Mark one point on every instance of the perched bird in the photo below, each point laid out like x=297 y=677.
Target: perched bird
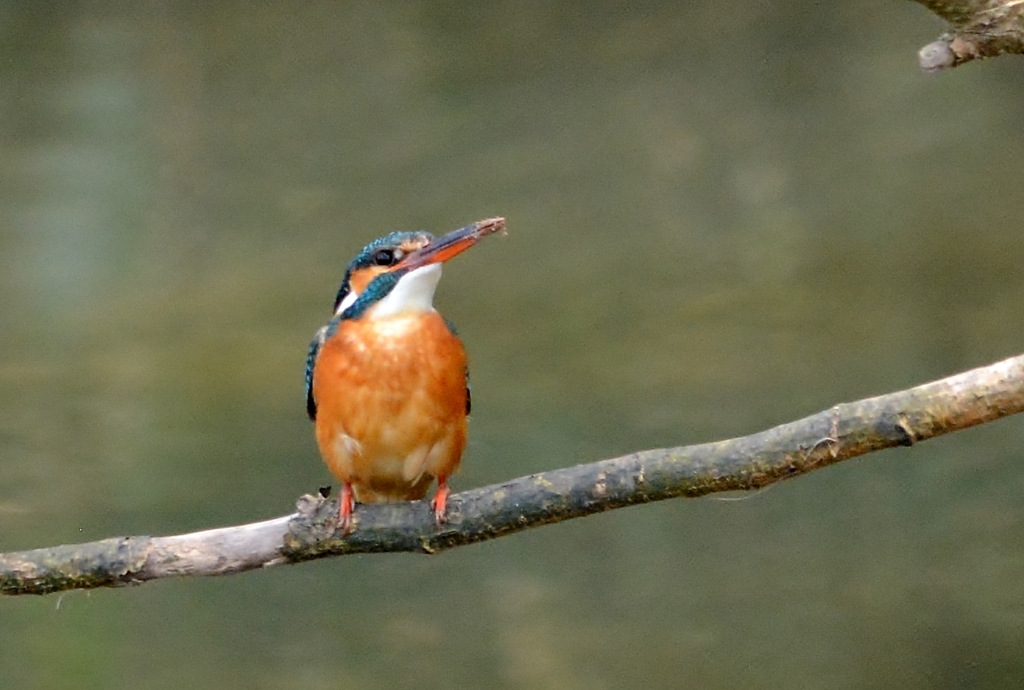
x=386 y=378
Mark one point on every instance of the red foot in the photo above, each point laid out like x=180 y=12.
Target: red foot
x=440 y=501
x=346 y=504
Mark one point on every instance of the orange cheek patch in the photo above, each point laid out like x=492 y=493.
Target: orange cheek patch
x=362 y=278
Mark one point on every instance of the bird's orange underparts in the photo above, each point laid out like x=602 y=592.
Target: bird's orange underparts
x=387 y=379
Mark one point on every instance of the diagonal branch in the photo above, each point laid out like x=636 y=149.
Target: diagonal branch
x=749 y=462
x=978 y=29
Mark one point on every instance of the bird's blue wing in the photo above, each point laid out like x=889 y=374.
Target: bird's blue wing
x=314 y=350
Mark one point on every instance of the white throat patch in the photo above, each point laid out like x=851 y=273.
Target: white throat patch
x=413 y=293
x=344 y=304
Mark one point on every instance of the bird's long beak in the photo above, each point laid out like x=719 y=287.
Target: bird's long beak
x=451 y=245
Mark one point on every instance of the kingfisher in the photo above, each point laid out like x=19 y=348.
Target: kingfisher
x=387 y=382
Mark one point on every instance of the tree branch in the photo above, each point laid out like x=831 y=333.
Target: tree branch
x=750 y=462
x=978 y=29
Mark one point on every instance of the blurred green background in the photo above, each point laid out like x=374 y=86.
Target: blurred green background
x=722 y=216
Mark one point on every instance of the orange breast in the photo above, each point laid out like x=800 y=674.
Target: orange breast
x=391 y=405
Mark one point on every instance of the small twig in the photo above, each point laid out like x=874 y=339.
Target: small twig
x=749 y=462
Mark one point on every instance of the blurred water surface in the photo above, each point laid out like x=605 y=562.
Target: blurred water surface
x=722 y=216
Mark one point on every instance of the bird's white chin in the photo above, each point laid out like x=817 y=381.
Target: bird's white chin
x=414 y=293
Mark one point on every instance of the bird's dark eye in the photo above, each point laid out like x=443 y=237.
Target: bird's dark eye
x=386 y=257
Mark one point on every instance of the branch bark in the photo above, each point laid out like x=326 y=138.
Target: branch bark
x=750 y=462
x=978 y=29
